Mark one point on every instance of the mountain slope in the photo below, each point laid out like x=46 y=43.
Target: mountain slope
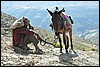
x=92 y=35
x=87 y=54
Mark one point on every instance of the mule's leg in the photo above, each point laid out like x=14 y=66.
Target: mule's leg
x=60 y=44
x=70 y=34
x=64 y=40
x=67 y=44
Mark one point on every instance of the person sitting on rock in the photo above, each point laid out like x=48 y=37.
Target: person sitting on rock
x=23 y=34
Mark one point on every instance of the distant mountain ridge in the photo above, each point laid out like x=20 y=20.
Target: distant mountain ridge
x=92 y=35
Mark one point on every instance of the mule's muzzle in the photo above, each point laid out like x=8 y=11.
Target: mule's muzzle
x=57 y=33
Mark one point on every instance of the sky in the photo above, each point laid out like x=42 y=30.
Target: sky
x=48 y=4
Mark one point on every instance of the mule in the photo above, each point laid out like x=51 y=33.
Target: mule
x=59 y=28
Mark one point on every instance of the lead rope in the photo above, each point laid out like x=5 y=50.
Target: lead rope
x=45 y=41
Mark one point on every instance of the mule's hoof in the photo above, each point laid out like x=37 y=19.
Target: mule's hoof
x=60 y=51
x=71 y=48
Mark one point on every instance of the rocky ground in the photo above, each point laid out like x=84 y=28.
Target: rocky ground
x=50 y=57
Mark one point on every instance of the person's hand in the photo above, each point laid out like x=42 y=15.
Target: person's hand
x=31 y=29
x=38 y=37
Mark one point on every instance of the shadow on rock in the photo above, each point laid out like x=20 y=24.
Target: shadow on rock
x=67 y=58
x=24 y=52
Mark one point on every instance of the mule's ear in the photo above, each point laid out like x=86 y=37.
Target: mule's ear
x=61 y=11
x=50 y=12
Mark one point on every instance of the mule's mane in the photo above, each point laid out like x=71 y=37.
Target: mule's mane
x=56 y=13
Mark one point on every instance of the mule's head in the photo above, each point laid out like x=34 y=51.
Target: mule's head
x=56 y=20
